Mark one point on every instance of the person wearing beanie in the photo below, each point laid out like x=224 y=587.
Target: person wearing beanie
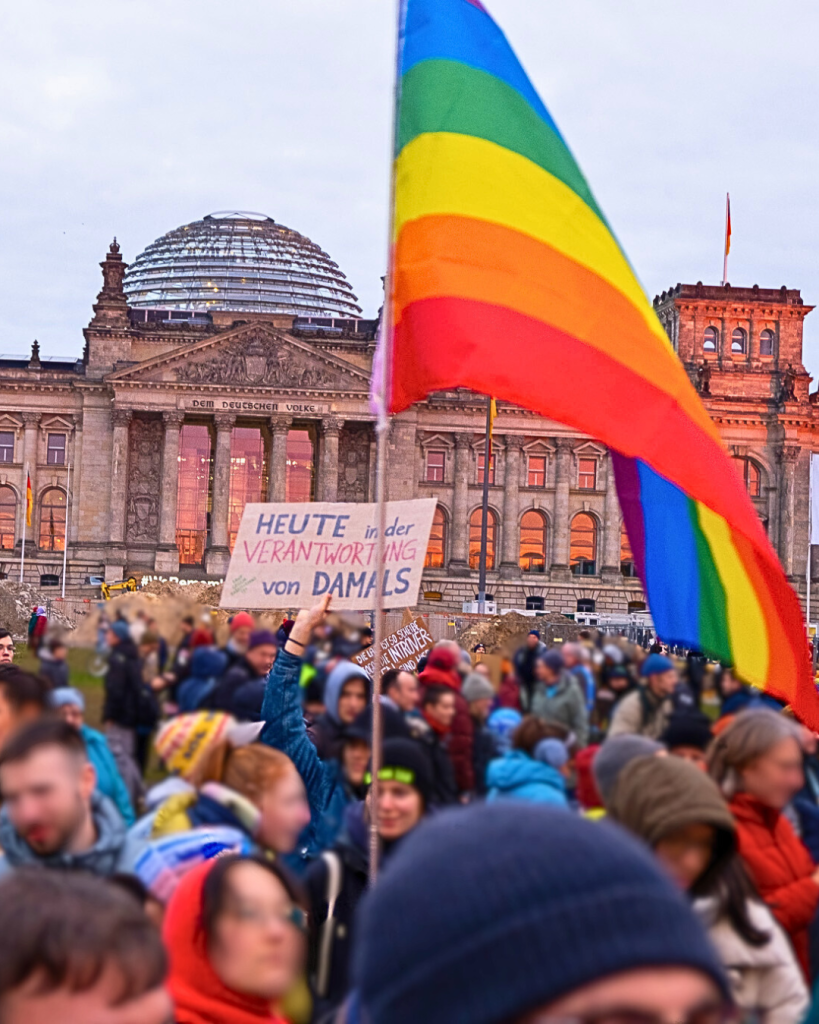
x=688 y=735
x=70 y=705
x=590 y=924
x=442 y=669
x=433 y=731
x=679 y=812
x=406 y=791
x=208 y=665
x=480 y=694
x=524 y=665
x=533 y=770
x=241 y=626
x=614 y=755
x=646 y=711
x=558 y=697
x=501 y=725
x=240 y=690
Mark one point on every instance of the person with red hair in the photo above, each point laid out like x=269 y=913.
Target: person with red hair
x=441 y=670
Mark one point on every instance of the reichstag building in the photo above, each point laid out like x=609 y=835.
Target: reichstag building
x=230 y=363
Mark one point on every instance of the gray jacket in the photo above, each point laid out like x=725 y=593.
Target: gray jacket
x=563 y=703
x=114 y=851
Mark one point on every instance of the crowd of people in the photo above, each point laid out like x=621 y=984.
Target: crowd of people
x=587 y=836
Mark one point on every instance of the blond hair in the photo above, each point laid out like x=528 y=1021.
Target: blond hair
x=750 y=736
x=249 y=770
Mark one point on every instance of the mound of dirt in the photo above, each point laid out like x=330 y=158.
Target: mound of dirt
x=193 y=591
x=505 y=633
x=16 y=603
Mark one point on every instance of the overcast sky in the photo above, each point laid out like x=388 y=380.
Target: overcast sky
x=131 y=117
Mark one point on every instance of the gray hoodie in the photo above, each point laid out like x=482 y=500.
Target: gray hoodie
x=114 y=851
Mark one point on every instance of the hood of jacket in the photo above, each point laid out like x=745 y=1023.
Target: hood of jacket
x=101 y=859
x=207 y=662
x=341 y=674
x=654 y=796
x=516 y=769
x=441 y=669
x=199 y=995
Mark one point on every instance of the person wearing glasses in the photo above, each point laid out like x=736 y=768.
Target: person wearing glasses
x=235 y=932
x=513 y=913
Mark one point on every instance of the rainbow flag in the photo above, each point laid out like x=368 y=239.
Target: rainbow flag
x=507 y=279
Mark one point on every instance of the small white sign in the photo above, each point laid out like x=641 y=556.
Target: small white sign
x=290 y=555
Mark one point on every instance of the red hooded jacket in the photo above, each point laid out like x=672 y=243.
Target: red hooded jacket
x=199 y=996
x=440 y=671
x=781 y=868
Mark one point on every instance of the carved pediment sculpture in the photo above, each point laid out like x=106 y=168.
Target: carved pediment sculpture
x=263 y=360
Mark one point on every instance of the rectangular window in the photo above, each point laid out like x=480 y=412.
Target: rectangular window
x=587 y=474
x=6 y=446
x=56 y=450
x=537 y=471
x=436 y=462
x=491 y=467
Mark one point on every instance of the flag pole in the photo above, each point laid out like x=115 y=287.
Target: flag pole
x=25 y=518
x=487 y=464
x=65 y=538
x=727 y=239
x=382 y=429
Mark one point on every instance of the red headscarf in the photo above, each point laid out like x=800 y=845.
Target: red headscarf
x=199 y=995
x=440 y=670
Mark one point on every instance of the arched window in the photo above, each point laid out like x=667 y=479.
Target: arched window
x=52 y=520
x=475 y=521
x=8 y=518
x=738 y=339
x=766 y=343
x=710 y=340
x=627 y=566
x=751 y=475
x=583 y=545
x=533 y=542
x=436 y=549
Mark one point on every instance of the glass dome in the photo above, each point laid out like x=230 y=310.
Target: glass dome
x=239 y=261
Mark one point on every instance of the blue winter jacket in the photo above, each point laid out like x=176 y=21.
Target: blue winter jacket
x=520 y=777
x=285 y=730
x=109 y=780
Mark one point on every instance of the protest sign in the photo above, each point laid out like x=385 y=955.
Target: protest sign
x=290 y=555
x=400 y=649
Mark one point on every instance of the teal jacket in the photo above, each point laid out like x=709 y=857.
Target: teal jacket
x=109 y=780
x=521 y=777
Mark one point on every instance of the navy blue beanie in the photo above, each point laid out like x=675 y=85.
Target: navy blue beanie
x=553 y=902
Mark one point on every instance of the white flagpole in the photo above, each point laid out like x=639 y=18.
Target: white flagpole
x=25 y=517
x=382 y=433
x=65 y=539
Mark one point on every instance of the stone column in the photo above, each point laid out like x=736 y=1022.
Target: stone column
x=787 y=461
x=611 y=513
x=328 y=480
x=31 y=427
x=511 y=507
x=167 y=552
x=115 y=559
x=560 y=548
x=277 y=464
x=217 y=555
x=460 y=506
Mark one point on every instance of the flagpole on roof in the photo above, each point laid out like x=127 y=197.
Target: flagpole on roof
x=380 y=405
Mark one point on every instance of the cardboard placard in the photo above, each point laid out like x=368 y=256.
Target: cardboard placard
x=400 y=649
x=289 y=555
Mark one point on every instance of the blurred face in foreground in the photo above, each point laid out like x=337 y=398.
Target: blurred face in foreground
x=71 y=713
x=257 y=947
x=686 y=852
x=11 y=718
x=284 y=813
x=100 y=1004
x=352 y=701
x=47 y=797
x=667 y=995
x=776 y=777
x=400 y=808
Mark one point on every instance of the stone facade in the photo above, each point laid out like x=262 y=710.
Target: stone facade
x=121 y=410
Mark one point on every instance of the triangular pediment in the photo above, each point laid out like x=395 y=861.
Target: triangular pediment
x=251 y=356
